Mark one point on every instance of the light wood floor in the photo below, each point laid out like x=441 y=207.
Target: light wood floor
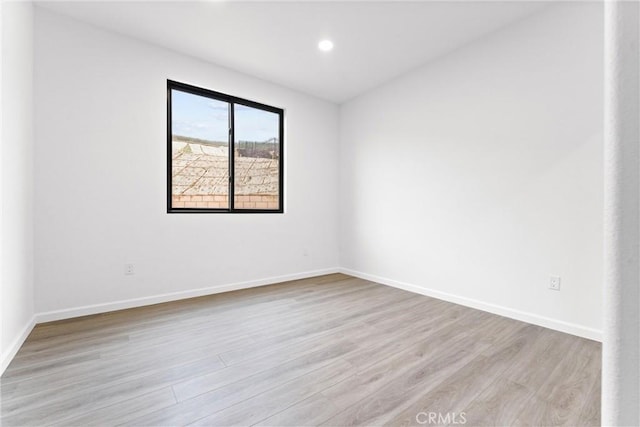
x=332 y=351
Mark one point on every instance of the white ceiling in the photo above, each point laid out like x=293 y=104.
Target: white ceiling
x=277 y=41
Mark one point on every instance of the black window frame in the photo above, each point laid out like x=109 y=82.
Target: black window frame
x=232 y=100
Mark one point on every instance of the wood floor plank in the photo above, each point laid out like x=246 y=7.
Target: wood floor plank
x=373 y=408
x=590 y=414
x=330 y=350
x=580 y=373
x=62 y=406
x=125 y=411
x=541 y=361
x=264 y=405
x=233 y=392
x=500 y=404
x=279 y=340
x=456 y=393
x=539 y=412
x=310 y=412
x=111 y=369
x=31 y=370
x=283 y=364
x=367 y=382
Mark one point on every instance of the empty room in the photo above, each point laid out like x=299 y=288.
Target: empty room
x=305 y=213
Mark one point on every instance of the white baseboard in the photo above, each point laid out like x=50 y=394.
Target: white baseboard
x=15 y=345
x=69 y=313
x=558 y=325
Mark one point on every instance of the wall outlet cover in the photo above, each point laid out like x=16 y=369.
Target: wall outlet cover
x=129 y=270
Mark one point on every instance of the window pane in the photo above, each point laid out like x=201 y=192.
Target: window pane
x=257 y=158
x=200 y=151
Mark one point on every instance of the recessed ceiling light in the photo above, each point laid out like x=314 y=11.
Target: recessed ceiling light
x=325 y=45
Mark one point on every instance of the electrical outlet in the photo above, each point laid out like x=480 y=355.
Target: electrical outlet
x=305 y=252
x=554 y=283
x=129 y=270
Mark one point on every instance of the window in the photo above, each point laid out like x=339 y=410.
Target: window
x=224 y=154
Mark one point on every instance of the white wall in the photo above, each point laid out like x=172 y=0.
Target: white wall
x=621 y=296
x=101 y=177
x=478 y=176
x=473 y=178
x=16 y=189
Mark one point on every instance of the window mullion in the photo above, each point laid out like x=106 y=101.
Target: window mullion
x=232 y=153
